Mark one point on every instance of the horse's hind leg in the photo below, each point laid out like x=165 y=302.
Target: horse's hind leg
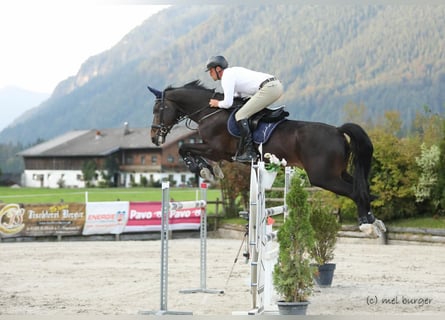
x=343 y=186
x=337 y=184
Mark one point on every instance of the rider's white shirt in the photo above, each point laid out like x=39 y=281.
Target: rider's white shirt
x=240 y=82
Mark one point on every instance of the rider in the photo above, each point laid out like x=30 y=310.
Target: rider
x=262 y=88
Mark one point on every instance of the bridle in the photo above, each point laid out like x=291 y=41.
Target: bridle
x=163 y=129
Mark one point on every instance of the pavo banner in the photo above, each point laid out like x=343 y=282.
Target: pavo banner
x=146 y=216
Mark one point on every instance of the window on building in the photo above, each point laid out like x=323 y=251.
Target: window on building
x=143 y=159
x=129 y=160
x=154 y=159
x=171 y=159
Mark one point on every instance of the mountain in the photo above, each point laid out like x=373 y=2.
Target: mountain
x=380 y=56
x=15 y=101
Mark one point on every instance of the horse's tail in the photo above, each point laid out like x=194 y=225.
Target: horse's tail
x=361 y=155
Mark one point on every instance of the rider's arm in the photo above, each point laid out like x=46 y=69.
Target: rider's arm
x=228 y=86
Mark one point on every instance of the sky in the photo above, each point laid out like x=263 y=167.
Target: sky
x=44 y=42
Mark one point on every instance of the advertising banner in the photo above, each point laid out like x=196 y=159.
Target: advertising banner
x=105 y=217
x=91 y=218
x=35 y=220
x=146 y=216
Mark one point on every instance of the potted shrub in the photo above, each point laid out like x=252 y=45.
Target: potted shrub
x=326 y=227
x=293 y=273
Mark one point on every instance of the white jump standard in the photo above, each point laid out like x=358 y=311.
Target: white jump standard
x=263 y=253
x=203 y=250
x=167 y=206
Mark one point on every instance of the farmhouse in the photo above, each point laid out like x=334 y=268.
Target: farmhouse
x=119 y=156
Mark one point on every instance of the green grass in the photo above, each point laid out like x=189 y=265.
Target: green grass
x=419 y=222
x=236 y=221
x=44 y=195
x=423 y=222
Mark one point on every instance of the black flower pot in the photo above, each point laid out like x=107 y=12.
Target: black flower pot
x=325 y=275
x=292 y=308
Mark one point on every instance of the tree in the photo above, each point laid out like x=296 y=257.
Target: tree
x=427 y=162
x=89 y=168
x=235 y=186
x=394 y=170
x=438 y=193
x=111 y=167
x=292 y=275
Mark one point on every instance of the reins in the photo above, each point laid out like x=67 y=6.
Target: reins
x=189 y=116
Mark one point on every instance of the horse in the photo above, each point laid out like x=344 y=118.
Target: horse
x=324 y=151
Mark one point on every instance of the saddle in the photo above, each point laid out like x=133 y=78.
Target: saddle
x=268 y=116
x=262 y=123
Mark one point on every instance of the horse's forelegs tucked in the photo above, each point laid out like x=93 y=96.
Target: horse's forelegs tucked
x=196 y=159
x=201 y=166
x=190 y=162
x=205 y=169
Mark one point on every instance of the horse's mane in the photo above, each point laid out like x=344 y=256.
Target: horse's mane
x=196 y=84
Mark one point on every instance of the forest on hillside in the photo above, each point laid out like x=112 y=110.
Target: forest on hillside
x=381 y=57
x=384 y=57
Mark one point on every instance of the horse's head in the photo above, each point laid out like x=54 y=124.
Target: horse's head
x=165 y=116
x=174 y=104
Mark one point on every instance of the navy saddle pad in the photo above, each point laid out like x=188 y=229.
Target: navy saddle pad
x=261 y=133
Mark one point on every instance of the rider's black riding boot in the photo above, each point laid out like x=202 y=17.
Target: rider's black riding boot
x=249 y=153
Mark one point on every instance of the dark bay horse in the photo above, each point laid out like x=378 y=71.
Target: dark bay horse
x=324 y=151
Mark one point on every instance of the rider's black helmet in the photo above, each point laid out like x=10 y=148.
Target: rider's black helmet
x=216 y=61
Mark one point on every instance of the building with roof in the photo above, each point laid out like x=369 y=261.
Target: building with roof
x=119 y=156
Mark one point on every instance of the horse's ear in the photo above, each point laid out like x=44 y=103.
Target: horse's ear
x=157 y=93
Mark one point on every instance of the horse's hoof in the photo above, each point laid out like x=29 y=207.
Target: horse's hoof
x=218 y=172
x=206 y=174
x=370 y=230
x=380 y=225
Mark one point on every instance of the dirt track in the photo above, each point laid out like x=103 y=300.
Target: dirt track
x=122 y=278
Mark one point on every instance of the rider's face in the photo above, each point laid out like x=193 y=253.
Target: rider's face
x=213 y=74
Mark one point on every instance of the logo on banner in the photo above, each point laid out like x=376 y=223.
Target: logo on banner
x=120 y=216
x=11 y=219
